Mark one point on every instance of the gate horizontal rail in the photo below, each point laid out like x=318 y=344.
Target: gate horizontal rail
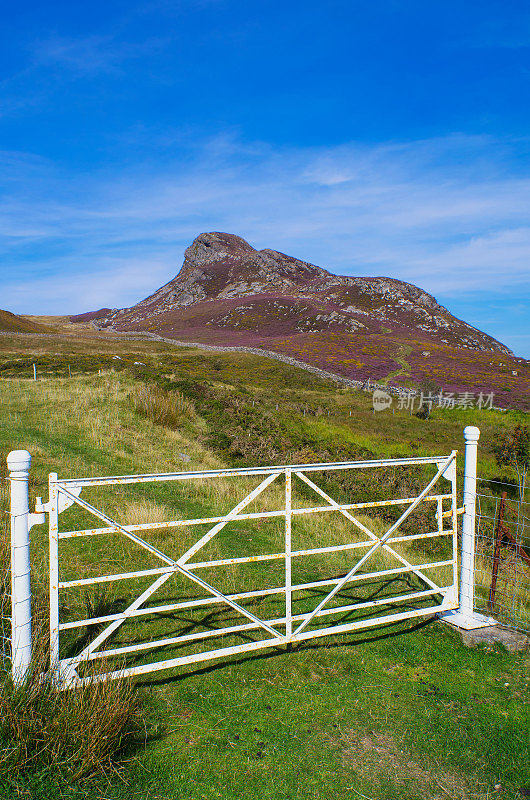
x=242 y=471
x=251 y=646
x=179 y=523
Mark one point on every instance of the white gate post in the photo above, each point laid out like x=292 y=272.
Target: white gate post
x=465 y=617
x=18 y=462
x=467 y=564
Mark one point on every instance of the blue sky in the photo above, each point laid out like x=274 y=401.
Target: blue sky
x=372 y=138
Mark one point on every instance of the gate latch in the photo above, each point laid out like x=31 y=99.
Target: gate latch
x=450 y=512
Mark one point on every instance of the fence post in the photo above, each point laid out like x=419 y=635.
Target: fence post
x=497 y=552
x=465 y=617
x=18 y=463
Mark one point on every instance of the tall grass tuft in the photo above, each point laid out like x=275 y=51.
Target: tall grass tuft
x=161 y=407
x=65 y=738
x=53 y=740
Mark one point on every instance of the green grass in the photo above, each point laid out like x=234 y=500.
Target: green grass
x=393 y=715
x=404 y=712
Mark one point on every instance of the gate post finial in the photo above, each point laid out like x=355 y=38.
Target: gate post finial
x=471 y=433
x=18 y=463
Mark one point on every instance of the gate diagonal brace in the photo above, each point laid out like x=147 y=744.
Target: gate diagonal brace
x=109 y=630
x=230 y=516
x=375 y=546
x=368 y=532
x=175 y=567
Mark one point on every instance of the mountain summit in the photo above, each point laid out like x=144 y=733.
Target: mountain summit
x=285 y=295
x=230 y=294
x=224 y=266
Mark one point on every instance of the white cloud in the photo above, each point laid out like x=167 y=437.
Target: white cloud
x=448 y=214
x=87 y=290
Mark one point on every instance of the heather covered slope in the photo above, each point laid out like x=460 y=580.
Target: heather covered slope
x=228 y=293
x=15 y=324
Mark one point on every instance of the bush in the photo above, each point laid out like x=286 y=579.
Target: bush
x=54 y=742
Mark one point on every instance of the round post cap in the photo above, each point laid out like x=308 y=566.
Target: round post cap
x=471 y=433
x=19 y=461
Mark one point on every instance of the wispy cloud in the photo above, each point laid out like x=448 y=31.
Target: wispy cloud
x=87 y=55
x=448 y=214
x=51 y=63
x=97 y=287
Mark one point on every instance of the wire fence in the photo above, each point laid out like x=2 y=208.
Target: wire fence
x=502 y=556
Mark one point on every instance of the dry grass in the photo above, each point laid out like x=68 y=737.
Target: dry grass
x=95 y=410
x=136 y=512
x=69 y=738
x=512 y=597
x=70 y=735
x=56 y=737
x=163 y=408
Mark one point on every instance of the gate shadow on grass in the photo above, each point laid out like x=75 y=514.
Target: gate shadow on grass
x=217 y=618
x=282 y=650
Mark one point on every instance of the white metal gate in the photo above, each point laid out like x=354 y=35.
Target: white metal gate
x=363 y=552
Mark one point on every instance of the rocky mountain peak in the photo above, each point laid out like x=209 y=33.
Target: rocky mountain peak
x=222 y=265
x=211 y=247
x=225 y=253
x=225 y=284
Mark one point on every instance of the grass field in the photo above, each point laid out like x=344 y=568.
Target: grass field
x=402 y=712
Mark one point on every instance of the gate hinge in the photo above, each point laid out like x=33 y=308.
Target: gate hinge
x=39 y=517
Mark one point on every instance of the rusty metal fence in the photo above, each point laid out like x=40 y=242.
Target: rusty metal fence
x=502 y=561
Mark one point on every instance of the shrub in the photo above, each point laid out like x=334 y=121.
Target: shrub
x=51 y=740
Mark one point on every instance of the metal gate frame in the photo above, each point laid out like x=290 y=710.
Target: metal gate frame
x=65 y=492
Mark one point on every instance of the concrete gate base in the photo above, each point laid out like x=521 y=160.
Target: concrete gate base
x=513 y=641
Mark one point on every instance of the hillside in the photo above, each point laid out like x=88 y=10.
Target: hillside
x=383 y=329
x=16 y=324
